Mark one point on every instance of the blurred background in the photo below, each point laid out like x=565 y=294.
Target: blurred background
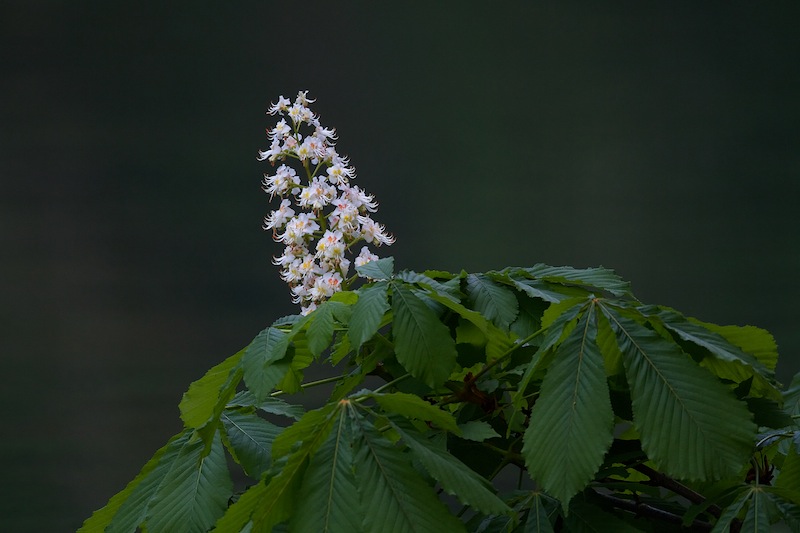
x=658 y=141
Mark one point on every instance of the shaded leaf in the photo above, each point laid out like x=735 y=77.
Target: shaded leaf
x=328 y=499
x=412 y=406
x=422 y=343
x=571 y=423
x=261 y=373
x=537 y=520
x=249 y=440
x=689 y=423
x=368 y=311
x=395 y=498
x=477 y=430
x=455 y=477
x=128 y=508
x=274 y=406
x=195 y=491
x=493 y=301
x=584 y=517
x=378 y=269
x=757 y=517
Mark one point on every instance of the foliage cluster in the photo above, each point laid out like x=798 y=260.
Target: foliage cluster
x=527 y=399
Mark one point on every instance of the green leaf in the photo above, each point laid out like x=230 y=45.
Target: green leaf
x=455 y=477
x=751 y=339
x=477 y=430
x=378 y=269
x=249 y=439
x=728 y=360
x=301 y=431
x=274 y=503
x=274 y=406
x=537 y=521
x=134 y=509
x=493 y=301
x=584 y=517
x=261 y=374
x=134 y=499
x=572 y=421
x=412 y=406
x=300 y=358
x=195 y=491
x=201 y=401
x=368 y=312
x=757 y=517
x=446 y=291
x=394 y=496
x=789 y=477
x=730 y=512
x=423 y=344
x=690 y=424
x=328 y=499
x=599 y=277
x=320 y=327
x=545 y=291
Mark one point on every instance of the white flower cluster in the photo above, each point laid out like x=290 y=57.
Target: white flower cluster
x=321 y=216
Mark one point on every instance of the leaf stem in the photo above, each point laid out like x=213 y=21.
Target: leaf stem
x=310 y=384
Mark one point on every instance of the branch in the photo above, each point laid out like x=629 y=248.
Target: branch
x=678 y=488
x=648 y=511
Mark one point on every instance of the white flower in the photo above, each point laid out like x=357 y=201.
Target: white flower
x=282 y=105
x=298 y=228
x=278 y=218
x=365 y=256
x=315 y=259
x=374 y=232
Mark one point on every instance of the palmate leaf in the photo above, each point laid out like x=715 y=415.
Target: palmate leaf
x=368 y=311
x=537 y=520
x=690 y=424
x=495 y=302
x=204 y=397
x=261 y=373
x=423 y=344
x=394 y=497
x=195 y=493
x=249 y=439
x=571 y=423
x=128 y=508
x=328 y=499
x=273 y=499
x=274 y=406
x=455 y=477
x=299 y=358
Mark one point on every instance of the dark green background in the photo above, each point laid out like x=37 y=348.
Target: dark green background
x=658 y=141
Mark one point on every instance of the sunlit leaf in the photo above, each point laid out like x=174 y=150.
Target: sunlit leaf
x=571 y=423
x=423 y=344
x=689 y=423
x=199 y=403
